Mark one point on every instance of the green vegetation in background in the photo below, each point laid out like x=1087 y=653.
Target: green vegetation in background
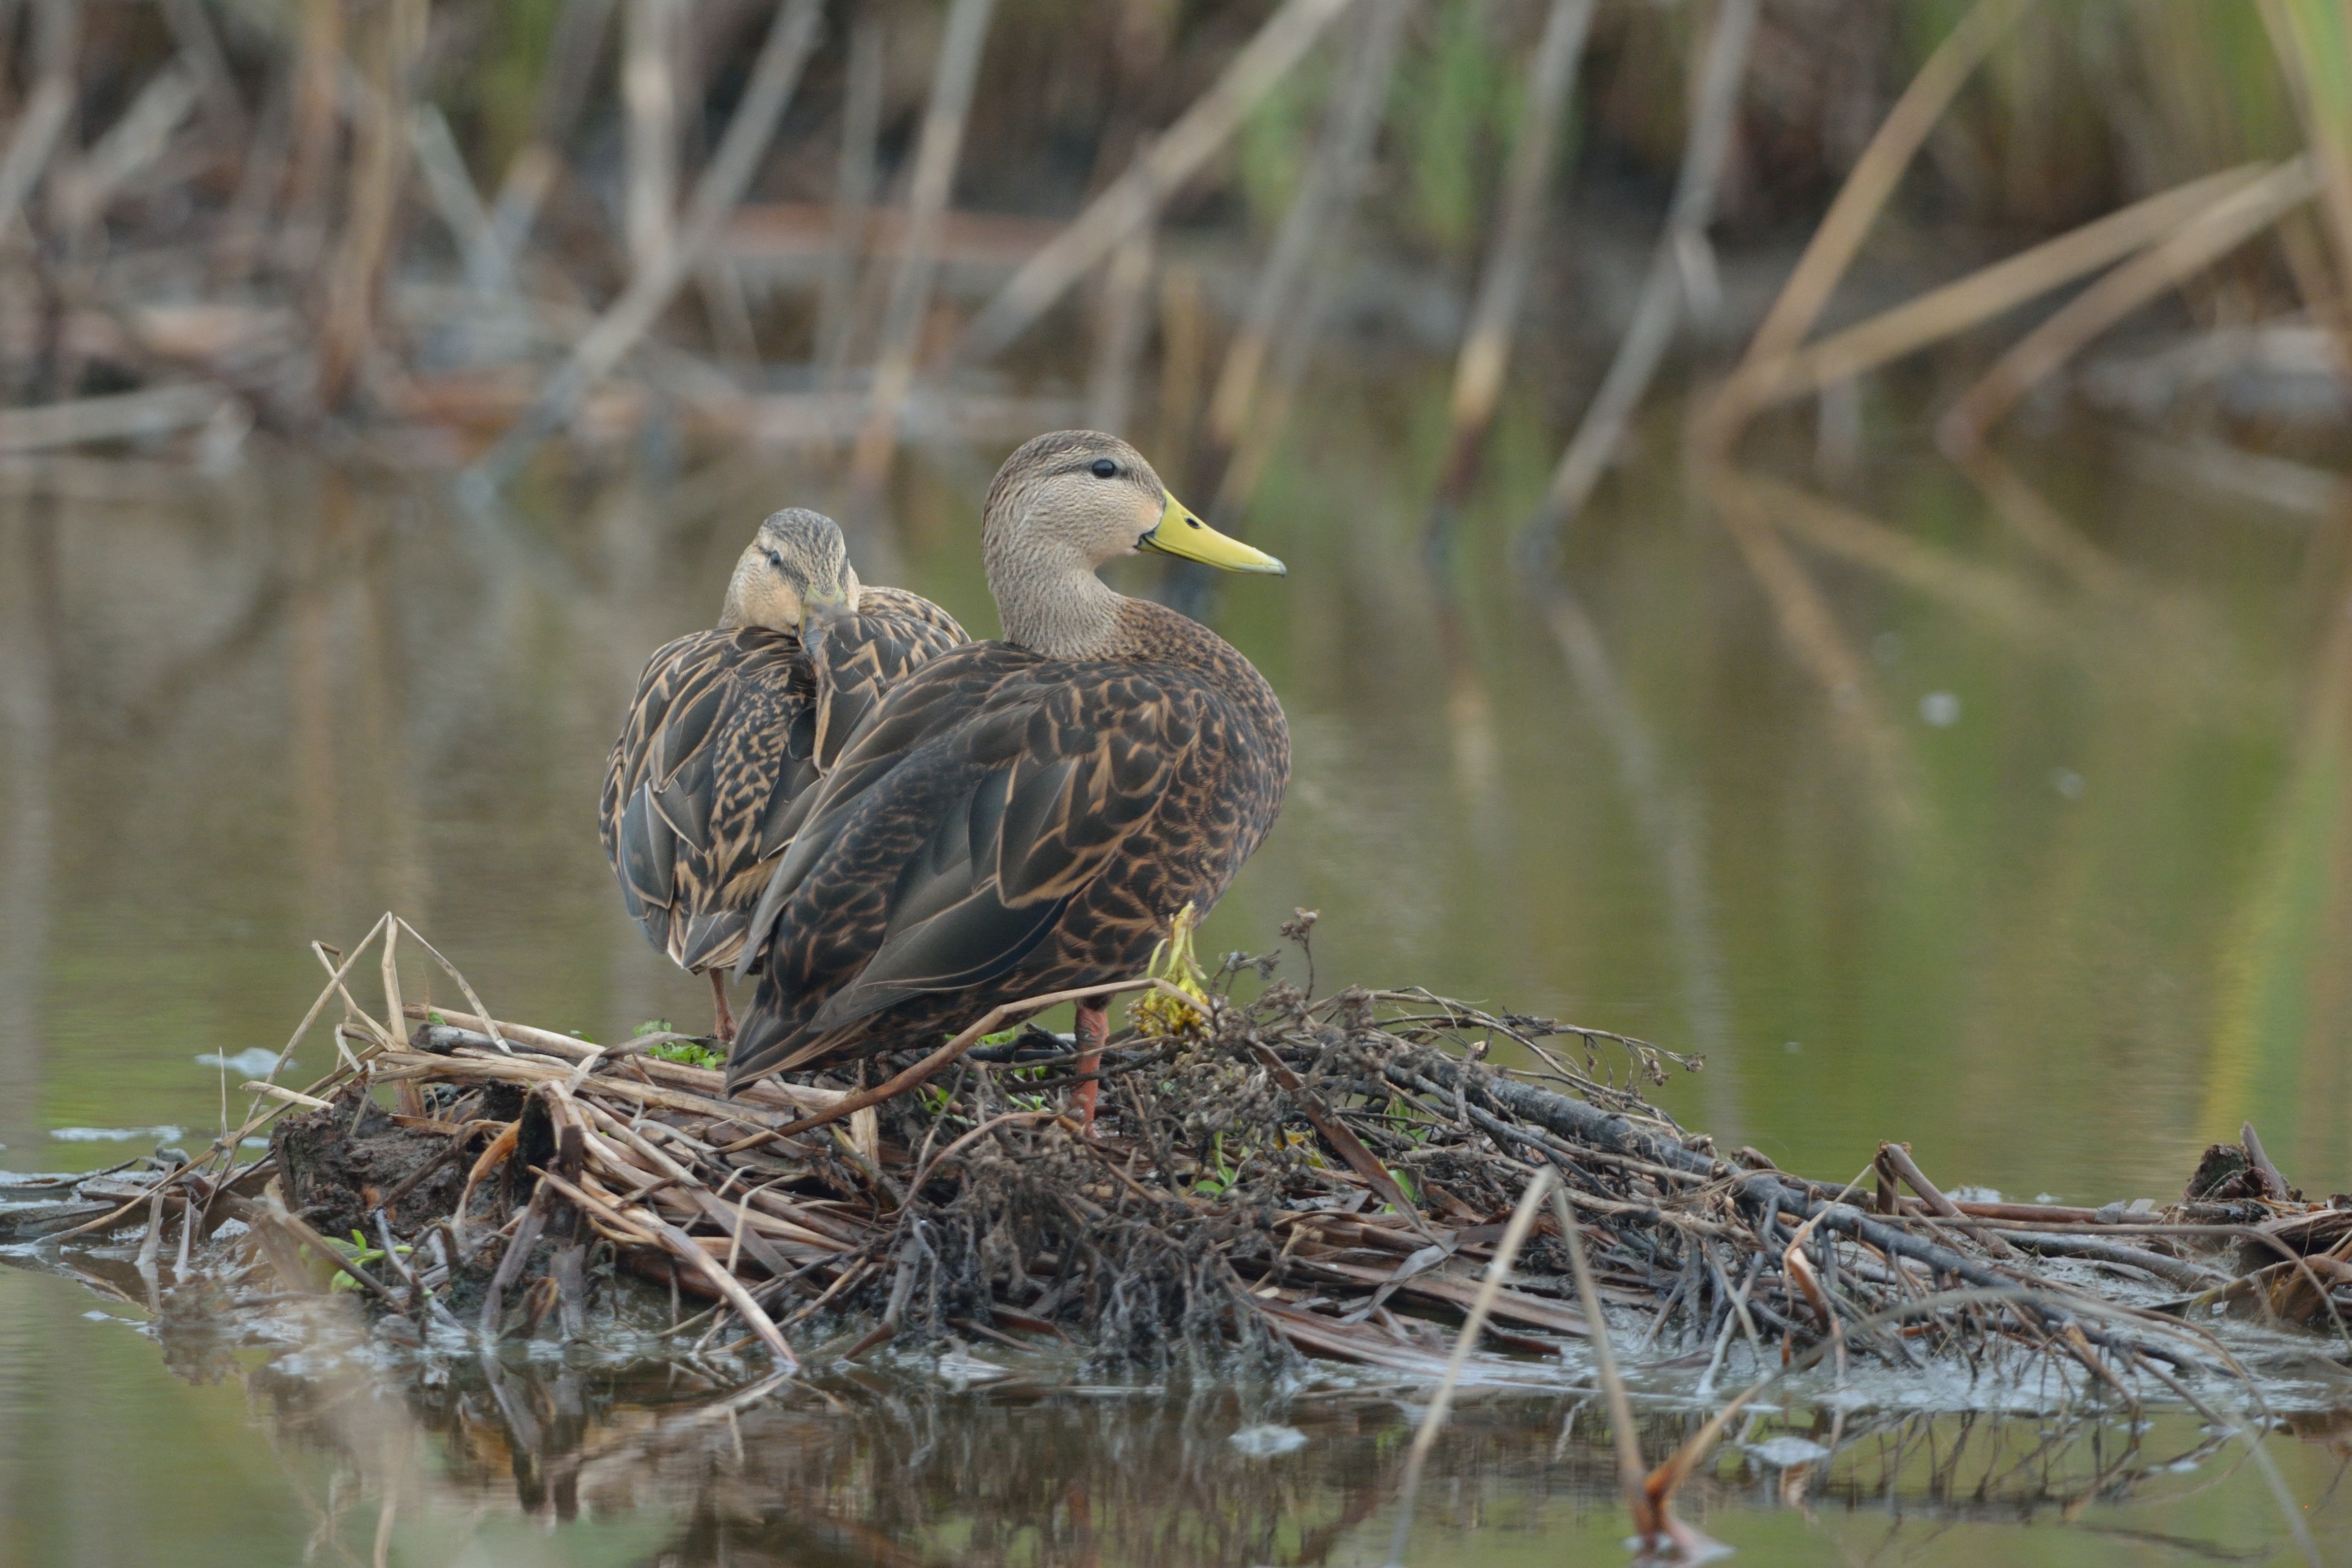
x=1454 y=105
x=495 y=97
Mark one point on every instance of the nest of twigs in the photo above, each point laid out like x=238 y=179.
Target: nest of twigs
x=1285 y=1175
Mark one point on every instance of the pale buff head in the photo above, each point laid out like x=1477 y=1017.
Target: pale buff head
x=1064 y=505
x=796 y=567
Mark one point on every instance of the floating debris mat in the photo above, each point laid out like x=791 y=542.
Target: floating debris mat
x=1344 y=1176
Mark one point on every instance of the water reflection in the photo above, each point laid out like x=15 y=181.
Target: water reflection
x=1688 y=791
x=401 y=1459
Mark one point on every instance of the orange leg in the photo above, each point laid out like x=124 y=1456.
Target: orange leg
x=1093 y=1028
x=723 y=1025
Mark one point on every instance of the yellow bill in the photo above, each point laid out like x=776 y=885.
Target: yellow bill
x=1180 y=533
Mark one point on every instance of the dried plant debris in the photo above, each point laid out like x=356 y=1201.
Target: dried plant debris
x=1271 y=1178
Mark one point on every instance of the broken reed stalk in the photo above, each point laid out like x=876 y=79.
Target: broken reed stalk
x=1157 y=173
x=56 y=38
x=380 y=163
x=2314 y=45
x=651 y=40
x=1486 y=353
x=1663 y=298
x=1432 y=1420
x=853 y=195
x=1121 y=318
x=1955 y=307
x=937 y=155
x=774 y=76
x=1868 y=184
x=2196 y=245
x=1627 y=1436
x=572 y=54
x=1280 y=307
x=922 y=1072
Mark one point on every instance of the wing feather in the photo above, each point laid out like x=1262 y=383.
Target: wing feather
x=982 y=797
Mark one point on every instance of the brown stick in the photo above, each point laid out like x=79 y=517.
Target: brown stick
x=572 y=61
x=57 y=39
x=1848 y=221
x=1632 y=1475
x=1898 y=1159
x=853 y=195
x=2261 y=1158
x=678 y=1245
x=1486 y=353
x=1968 y=301
x=1341 y=1138
x=774 y=76
x=996 y=1018
x=1132 y=199
x=936 y=157
x=1661 y=303
x=380 y=160
x=2197 y=244
x=1507 y=1251
x=511 y=1266
x=1283 y=299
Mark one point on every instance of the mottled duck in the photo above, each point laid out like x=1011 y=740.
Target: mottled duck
x=732 y=726
x=1024 y=816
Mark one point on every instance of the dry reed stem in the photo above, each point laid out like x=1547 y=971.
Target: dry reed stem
x=380 y=159
x=936 y=153
x=572 y=54
x=1896 y=1159
x=2314 y=50
x=150 y=411
x=650 y=43
x=2195 y=245
x=1278 y=295
x=655 y=1232
x=1486 y=353
x=996 y=1018
x=83 y=191
x=1121 y=318
x=774 y=76
x=56 y=38
x=1432 y=1420
x=1661 y=303
x=483 y=1019
x=1269 y=359
x=853 y=195
x=1966 y=303
x=490 y=271
x=1856 y=208
x=1134 y=198
x=200 y=48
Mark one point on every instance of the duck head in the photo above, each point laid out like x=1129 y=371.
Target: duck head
x=1065 y=505
x=796 y=569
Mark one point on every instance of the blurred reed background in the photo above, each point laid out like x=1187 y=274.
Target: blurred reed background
x=452 y=231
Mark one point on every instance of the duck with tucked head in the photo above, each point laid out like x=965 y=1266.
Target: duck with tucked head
x=733 y=726
x=1024 y=816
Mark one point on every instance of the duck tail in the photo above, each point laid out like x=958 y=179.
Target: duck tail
x=764 y=1037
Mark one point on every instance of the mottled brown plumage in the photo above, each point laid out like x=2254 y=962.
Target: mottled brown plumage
x=1020 y=816
x=732 y=726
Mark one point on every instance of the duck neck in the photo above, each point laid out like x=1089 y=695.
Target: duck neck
x=1053 y=603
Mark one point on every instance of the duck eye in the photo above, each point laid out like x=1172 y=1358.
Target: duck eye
x=1104 y=468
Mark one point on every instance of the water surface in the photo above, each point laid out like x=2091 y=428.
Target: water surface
x=2030 y=851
